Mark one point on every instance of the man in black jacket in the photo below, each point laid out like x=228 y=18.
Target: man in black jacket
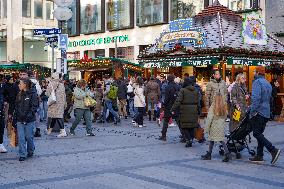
x=171 y=92
x=2 y=115
x=121 y=96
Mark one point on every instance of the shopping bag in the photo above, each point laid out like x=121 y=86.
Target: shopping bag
x=199 y=134
x=14 y=137
x=52 y=98
x=237 y=115
x=89 y=102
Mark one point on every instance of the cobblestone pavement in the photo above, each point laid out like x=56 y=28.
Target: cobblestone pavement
x=122 y=156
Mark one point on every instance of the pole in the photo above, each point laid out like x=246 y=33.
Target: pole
x=115 y=48
x=52 y=57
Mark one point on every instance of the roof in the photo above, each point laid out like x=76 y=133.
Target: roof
x=224 y=35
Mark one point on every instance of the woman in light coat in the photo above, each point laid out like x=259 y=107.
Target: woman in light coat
x=56 y=110
x=139 y=101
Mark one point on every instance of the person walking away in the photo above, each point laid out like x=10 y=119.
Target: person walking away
x=26 y=108
x=276 y=102
x=56 y=109
x=260 y=114
x=130 y=97
x=44 y=99
x=215 y=126
x=69 y=100
x=187 y=104
x=121 y=98
x=171 y=92
x=139 y=101
x=82 y=111
x=153 y=93
x=98 y=93
x=239 y=96
x=110 y=94
x=2 y=114
x=215 y=86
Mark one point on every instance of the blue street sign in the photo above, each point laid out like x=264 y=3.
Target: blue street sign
x=53 y=39
x=51 y=31
x=63 y=41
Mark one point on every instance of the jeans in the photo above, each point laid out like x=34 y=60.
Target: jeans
x=87 y=114
x=108 y=106
x=2 y=126
x=26 y=138
x=44 y=110
x=152 y=106
x=258 y=124
x=139 y=118
x=131 y=107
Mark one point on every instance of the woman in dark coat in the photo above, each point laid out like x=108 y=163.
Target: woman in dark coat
x=187 y=103
x=276 y=102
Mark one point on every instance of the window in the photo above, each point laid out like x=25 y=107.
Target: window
x=126 y=53
x=150 y=12
x=119 y=14
x=3 y=11
x=185 y=8
x=91 y=16
x=72 y=24
x=26 y=8
x=239 y=5
x=49 y=10
x=38 y=8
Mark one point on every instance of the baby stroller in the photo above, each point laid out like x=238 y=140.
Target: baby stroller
x=238 y=139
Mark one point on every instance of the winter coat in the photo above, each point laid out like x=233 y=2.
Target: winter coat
x=122 y=90
x=69 y=94
x=276 y=102
x=171 y=93
x=98 y=95
x=238 y=98
x=26 y=106
x=187 y=103
x=139 y=98
x=215 y=126
x=56 y=110
x=2 y=99
x=10 y=93
x=152 y=91
x=260 y=98
x=80 y=95
x=163 y=90
x=214 y=87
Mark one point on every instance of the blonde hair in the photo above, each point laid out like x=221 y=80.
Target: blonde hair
x=239 y=76
x=220 y=106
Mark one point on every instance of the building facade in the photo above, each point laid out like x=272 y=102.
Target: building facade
x=18 y=18
x=97 y=28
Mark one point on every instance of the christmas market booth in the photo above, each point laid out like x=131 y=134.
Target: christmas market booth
x=13 y=70
x=216 y=38
x=92 y=69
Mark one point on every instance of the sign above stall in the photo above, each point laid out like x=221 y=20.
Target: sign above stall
x=181 y=32
x=178 y=62
x=250 y=62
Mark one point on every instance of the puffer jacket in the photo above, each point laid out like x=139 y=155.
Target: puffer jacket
x=152 y=91
x=139 y=98
x=214 y=87
x=26 y=106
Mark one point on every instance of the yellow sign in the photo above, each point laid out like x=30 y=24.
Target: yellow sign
x=193 y=35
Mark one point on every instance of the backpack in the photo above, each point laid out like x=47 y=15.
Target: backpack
x=112 y=94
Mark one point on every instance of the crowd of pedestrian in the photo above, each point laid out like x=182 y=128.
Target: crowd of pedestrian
x=163 y=99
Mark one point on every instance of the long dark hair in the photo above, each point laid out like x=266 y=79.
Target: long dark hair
x=139 y=81
x=27 y=82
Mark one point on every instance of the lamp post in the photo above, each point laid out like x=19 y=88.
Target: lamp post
x=62 y=13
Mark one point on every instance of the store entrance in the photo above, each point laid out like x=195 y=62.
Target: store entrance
x=92 y=76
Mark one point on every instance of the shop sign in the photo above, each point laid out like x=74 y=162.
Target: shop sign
x=250 y=62
x=182 y=62
x=51 y=31
x=98 y=41
x=189 y=35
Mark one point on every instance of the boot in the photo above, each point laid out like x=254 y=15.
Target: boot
x=2 y=149
x=155 y=115
x=149 y=114
x=49 y=131
x=188 y=144
x=37 y=133
x=226 y=158
x=163 y=137
x=62 y=133
x=207 y=156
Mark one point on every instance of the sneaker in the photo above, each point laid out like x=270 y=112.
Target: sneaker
x=140 y=126
x=37 y=133
x=163 y=138
x=227 y=120
x=256 y=159
x=90 y=134
x=125 y=117
x=22 y=159
x=188 y=144
x=72 y=132
x=62 y=133
x=2 y=149
x=133 y=122
x=226 y=158
x=275 y=154
x=172 y=125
